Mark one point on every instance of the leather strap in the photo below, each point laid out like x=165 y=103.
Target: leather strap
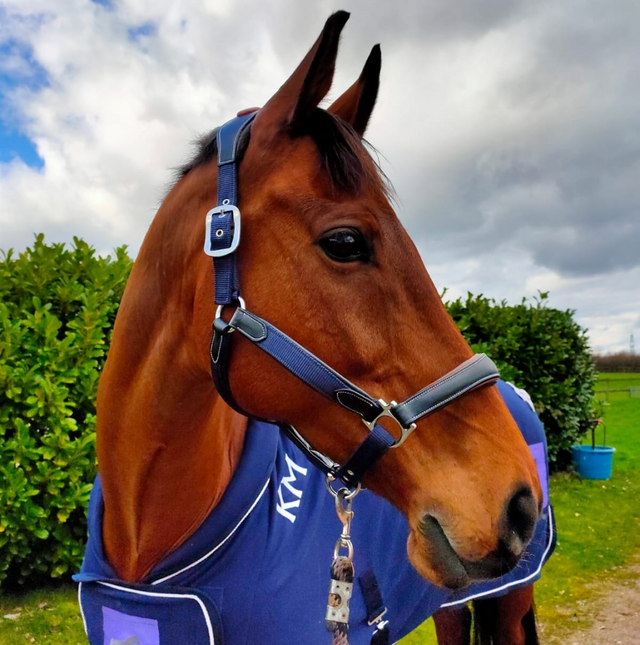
x=219 y=354
x=317 y=458
x=375 y=607
x=474 y=372
x=370 y=451
x=224 y=221
x=372 y=596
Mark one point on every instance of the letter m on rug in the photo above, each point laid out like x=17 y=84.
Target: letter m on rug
x=287 y=482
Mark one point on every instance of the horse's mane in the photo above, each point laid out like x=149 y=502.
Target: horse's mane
x=343 y=153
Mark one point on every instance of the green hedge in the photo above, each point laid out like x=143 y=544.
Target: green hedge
x=541 y=350
x=57 y=307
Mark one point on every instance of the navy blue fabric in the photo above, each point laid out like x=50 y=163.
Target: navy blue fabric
x=263 y=555
x=374 y=447
x=117 y=613
x=373 y=600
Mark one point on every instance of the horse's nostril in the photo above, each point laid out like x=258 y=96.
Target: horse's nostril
x=520 y=517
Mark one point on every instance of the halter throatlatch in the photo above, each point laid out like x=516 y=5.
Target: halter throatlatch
x=222 y=237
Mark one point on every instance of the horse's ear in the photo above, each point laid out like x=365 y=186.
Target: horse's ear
x=307 y=86
x=356 y=104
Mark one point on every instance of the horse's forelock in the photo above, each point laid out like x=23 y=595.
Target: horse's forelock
x=343 y=153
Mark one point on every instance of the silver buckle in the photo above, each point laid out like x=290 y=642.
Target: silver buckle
x=386 y=412
x=210 y=227
x=342 y=592
x=378 y=619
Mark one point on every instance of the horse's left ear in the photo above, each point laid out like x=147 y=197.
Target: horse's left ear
x=356 y=104
x=291 y=105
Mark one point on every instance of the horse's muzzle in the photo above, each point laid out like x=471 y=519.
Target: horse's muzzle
x=517 y=526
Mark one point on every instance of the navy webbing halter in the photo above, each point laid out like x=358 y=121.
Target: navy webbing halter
x=221 y=241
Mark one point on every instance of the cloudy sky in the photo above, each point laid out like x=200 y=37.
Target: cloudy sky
x=510 y=128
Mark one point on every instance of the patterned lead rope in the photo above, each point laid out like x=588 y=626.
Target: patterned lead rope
x=342 y=580
x=341 y=584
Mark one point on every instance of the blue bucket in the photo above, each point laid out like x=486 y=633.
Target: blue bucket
x=593 y=463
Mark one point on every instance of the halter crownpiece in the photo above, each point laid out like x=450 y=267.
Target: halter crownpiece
x=222 y=238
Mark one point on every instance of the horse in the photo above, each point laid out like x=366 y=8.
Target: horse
x=332 y=280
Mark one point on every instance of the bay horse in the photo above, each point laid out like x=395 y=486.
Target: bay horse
x=322 y=259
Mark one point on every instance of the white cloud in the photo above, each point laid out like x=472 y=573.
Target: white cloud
x=510 y=133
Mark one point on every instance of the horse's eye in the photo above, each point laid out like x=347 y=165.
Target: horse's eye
x=346 y=245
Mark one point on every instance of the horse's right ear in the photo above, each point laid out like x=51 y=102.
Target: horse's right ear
x=356 y=104
x=306 y=87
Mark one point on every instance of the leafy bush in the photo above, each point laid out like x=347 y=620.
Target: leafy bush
x=541 y=350
x=57 y=307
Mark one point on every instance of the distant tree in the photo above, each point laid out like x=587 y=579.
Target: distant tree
x=620 y=362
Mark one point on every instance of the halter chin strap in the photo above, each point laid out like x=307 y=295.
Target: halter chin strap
x=221 y=241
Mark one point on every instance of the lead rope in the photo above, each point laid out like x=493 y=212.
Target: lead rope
x=339 y=595
x=342 y=576
x=342 y=572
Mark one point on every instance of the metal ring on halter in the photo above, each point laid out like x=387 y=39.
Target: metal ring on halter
x=350 y=493
x=387 y=412
x=241 y=304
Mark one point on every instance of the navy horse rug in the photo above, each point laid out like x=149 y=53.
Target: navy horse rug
x=257 y=569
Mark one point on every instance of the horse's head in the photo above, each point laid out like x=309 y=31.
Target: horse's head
x=324 y=258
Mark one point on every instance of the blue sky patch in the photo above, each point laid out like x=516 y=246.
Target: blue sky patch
x=16 y=145
x=147 y=29
x=20 y=68
x=19 y=71
x=105 y=3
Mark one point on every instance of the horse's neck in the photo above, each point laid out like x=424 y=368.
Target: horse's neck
x=167 y=444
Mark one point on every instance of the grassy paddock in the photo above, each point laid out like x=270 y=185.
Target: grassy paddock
x=599 y=528
x=616 y=381
x=48 y=616
x=616 y=376
x=599 y=533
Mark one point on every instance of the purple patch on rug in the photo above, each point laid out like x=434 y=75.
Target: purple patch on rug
x=538 y=452
x=123 y=629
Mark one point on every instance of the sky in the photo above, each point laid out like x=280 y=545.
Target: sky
x=510 y=129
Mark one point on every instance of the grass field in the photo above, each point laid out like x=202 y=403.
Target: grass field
x=598 y=533
x=614 y=386
x=48 y=616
